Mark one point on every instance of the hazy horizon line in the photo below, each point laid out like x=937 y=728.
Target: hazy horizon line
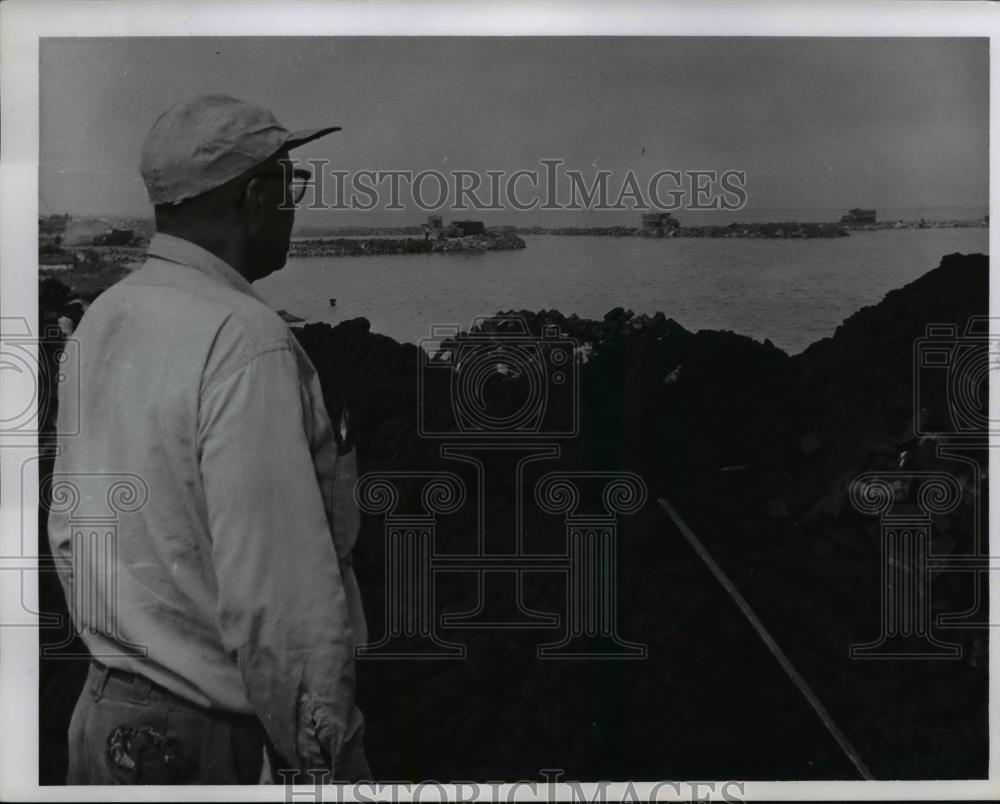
x=493 y=213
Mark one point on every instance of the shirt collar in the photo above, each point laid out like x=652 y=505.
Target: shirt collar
x=176 y=249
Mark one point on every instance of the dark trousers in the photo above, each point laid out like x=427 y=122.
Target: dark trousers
x=127 y=730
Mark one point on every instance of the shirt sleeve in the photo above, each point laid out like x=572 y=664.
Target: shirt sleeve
x=282 y=611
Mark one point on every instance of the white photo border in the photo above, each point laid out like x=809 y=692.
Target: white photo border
x=23 y=23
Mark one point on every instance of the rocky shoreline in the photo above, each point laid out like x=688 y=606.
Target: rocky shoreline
x=343 y=237
x=788 y=229
x=755 y=449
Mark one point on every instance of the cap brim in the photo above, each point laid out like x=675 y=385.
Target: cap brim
x=297 y=138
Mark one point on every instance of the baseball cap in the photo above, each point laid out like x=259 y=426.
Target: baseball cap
x=204 y=142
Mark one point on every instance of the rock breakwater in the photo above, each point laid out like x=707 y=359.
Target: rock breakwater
x=351 y=247
x=791 y=229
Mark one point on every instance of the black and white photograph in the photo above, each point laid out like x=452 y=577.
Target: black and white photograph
x=410 y=404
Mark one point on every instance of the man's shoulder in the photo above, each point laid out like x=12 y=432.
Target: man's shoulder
x=171 y=309
x=190 y=295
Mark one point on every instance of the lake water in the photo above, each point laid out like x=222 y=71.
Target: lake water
x=791 y=291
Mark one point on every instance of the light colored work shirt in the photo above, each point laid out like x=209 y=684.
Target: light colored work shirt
x=233 y=575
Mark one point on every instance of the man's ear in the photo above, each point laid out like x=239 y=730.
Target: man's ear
x=254 y=201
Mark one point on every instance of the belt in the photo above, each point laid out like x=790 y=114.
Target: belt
x=138 y=688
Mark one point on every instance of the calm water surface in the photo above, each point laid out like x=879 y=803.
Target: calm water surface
x=791 y=291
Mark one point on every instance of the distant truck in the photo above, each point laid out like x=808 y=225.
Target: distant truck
x=116 y=237
x=659 y=224
x=465 y=228
x=857 y=216
x=651 y=220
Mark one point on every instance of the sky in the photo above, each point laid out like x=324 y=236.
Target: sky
x=814 y=123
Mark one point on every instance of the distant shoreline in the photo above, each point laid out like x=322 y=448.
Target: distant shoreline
x=99 y=265
x=770 y=230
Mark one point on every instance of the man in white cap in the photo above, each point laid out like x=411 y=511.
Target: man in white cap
x=223 y=625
